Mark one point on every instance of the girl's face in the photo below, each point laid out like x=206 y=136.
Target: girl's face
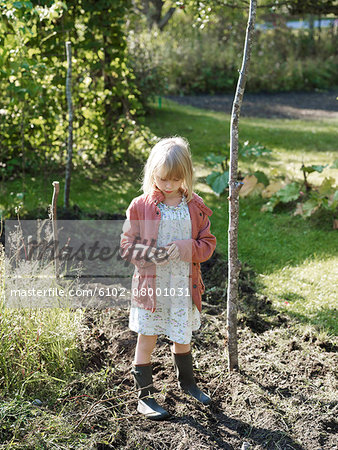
x=170 y=188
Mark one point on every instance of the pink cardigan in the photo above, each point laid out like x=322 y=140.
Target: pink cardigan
x=141 y=227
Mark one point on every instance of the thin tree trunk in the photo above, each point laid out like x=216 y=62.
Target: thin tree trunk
x=234 y=265
x=70 y=126
x=56 y=189
x=23 y=160
x=110 y=102
x=312 y=34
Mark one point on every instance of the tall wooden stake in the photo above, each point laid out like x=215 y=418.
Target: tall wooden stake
x=54 y=224
x=70 y=126
x=234 y=265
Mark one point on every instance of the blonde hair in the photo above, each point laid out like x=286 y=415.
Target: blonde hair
x=172 y=155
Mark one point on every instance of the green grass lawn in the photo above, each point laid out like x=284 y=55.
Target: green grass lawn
x=295 y=258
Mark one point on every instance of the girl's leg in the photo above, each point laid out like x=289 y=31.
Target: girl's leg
x=183 y=364
x=142 y=372
x=144 y=348
x=180 y=348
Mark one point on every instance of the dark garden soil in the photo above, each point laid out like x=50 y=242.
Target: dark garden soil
x=284 y=105
x=282 y=397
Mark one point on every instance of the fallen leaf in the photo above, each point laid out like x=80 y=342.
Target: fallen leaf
x=272 y=189
x=249 y=185
x=258 y=189
x=299 y=210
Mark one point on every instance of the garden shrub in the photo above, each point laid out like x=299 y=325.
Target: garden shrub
x=186 y=60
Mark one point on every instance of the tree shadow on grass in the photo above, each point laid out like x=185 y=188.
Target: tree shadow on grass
x=292 y=296
x=325 y=319
x=256 y=311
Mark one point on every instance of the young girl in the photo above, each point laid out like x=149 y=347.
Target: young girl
x=166 y=236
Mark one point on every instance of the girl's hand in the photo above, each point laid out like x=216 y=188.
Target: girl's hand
x=159 y=256
x=173 y=252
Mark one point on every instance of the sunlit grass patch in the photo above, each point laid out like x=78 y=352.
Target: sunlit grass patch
x=308 y=291
x=279 y=246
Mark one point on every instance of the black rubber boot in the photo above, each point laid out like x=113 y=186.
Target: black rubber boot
x=186 y=380
x=147 y=405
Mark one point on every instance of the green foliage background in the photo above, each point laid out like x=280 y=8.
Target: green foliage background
x=33 y=118
x=120 y=63
x=200 y=52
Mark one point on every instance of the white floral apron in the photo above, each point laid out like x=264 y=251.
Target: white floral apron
x=176 y=316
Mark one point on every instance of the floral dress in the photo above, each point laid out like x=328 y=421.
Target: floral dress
x=176 y=316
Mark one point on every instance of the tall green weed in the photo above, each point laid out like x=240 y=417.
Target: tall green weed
x=38 y=346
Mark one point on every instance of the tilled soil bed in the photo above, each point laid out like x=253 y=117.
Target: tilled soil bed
x=283 y=396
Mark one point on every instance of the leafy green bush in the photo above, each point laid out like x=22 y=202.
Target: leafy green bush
x=305 y=198
x=218 y=180
x=150 y=74
x=187 y=60
x=34 y=114
x=184 y=60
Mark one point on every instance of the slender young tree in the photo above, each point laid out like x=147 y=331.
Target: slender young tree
x=234 y=265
